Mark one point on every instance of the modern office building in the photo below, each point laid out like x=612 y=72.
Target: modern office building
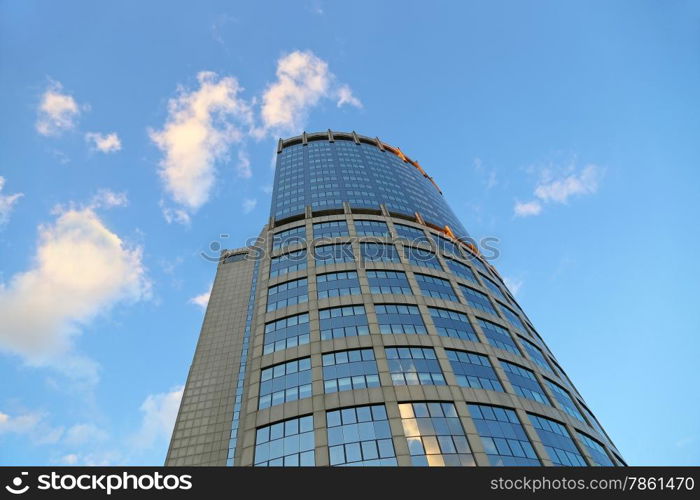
x=363 y=328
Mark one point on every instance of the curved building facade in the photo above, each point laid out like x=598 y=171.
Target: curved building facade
x=364 y=329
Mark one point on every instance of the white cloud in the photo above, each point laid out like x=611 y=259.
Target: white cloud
x=70 y=459
x=267 y=189
x=202 y=299
x=81 y=269
x=108 y=199
x=249 y=205
x=7 y=203
x=57 y=111
x=302 y=80
x=243 y=169
x=559 y=190
x=159 y=414
x=526 y=209
x=490 y=178
x=80 y=434
x=31 y=424
x=198 y=132
x=105 y=143
x=513 y=285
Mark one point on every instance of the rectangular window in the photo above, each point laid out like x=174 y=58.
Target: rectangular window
x=347 y=370
x=478 y=300
x=595 y=450
x=536 y=354
x=524 y=382
x=498 y=336
x=286 y=332
x=287 y=443
x=557 y=441
x=422 y=258
x=414 y=366
x=461 y=270
x=288 y=263
x=371 y=228
x=289 y=237
x=435 y=435
x=333 y=254
x=452 y=324
x=436 y=287
x=337 y=284
x=474 y=261
x=565 y=401
x=495 y=289
x=445 y=245
x=502 y=435
x=346 y=321
x=473 y=370
x=287 y=294
x=379 y=252
x=412 y=234
x=360 y=436
x=332 y=229
x=285 y=382
x=399 y=318
x=513 y=318
x=388 y=282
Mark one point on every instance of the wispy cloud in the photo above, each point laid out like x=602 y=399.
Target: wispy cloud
x=249 y=205
x=526 y=209
x=7 y=203
x=159 y=414
x=32 y=424
x=488 y=175
x=513 y=284
x=202 y=299
x=58 y=111
x=243 y=169
x=106 y=198
x=104 y=143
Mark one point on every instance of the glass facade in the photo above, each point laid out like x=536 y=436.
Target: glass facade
x=347 y=370
x=388 y=282
x=399 y=318
x=285 y=382
x=414 y=366
x=473 y=370
x=288 y=443
x=360 y=436
x=337 y=284
x=502 y=435
x=557 y=441
x=339 y=322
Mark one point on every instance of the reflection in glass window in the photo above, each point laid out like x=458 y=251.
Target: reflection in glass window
x=360 y=436
x=423 y=258
x=513 y=318
x=337 y=284
x=379 y=252
x=414 y=366
x=285 y=382
x=557 y=441
x=332 y=229
x=498 y=336
x=288 y=263
x=536 y=354
x=524 y=382
x=333 y=254
x=286 y=332
x=495 y=289
x=287 y=294
x=283 y=239
x=436 y=287
x=346 y=321
x=412 y=234
x=371 y=228
x=347 y=370
x=564 y=399
x=288 y=443
x=435 y=435
x=461 y=270
x=388 y=282
x=453 y=324
x=595 y=450
x=473 y=370
x=502 y=436
x=399 y=318
x=478 y=300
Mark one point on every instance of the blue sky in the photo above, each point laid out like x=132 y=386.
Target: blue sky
x=567 y=130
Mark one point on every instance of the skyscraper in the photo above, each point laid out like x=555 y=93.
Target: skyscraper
x=363 y=328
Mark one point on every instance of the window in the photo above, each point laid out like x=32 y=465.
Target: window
x=237 y=257
x=287 y=294
x=595 y=450
x=360 y=436
x=283 y=239
x=453 y=324
x=371 y=228
x=337 y=284
x=445 y=245
x=436 y=287
x=346 y=370
x=388 y=282
x=498 y=337
x=461 y=270
x=412 y=234
x=495 y=289
x=414 y=366
x=332 y=229
x=435 y=435
x=524 y=382
x=422 y=258
x=333 y=254
x=286 y=332
x=474 y=261
x=557 y=441
x=473 y=370
x=399 y=318
x=513 y=318
x=502 y=435
x=478 y=300
x=346 y=321
x=288 y=263
x=287 y=443
x=285 y=382
x=565 y=401
x=536 y=354
x=379 y=252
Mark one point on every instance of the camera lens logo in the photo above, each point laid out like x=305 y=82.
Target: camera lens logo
x=16 y=488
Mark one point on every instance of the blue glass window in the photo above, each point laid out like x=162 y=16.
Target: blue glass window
x=557 y=441
x=388 y=282
x=360 y=436
x=436 y=287
x=414 y=366
x=379 y=252
x=595 y=450
x=346 y=321
x=495 y=289
x=504 y=439
x=399 y=318
x=536 y=354
x=524 y=382
x=286 y=332
x=337 y=284
x=412 y=234
x=474 y=261
x=333 y=254
x=347 y=370
x=287 y=443
x=461 y=270
x=473 y=370
x=288 y=263
x=289 y=237
x=498 y=337
x=513 y=318
x=435 y=435
x=453 y=324
x=332 y=229
x=422 y=258
x=445 y=245
x=564 y=399
x=477 y=300
x=371 y=228
x=287 y=294
x=285 y=382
